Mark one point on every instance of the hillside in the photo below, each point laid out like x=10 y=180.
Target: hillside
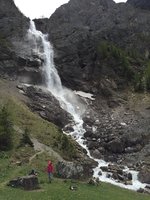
x=102 y=50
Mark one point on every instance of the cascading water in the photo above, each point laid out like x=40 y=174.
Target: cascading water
x=69 y=102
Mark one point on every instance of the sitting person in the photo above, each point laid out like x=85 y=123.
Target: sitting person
x=33 y=172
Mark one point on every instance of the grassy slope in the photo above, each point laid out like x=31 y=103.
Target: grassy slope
x=59 y=190
x=22 y=118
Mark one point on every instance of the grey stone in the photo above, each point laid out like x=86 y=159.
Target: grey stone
x=144 y=175
x=26 y=182
x=74 y=170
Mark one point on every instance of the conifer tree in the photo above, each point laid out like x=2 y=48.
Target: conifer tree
x=6 y=130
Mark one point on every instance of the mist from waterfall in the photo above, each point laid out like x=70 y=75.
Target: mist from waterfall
x=68 y=100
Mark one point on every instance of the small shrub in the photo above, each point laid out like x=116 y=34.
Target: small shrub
x=147 y=76
x=65 y=144
x=26 y=139
x=142 y=80
x=137 y=82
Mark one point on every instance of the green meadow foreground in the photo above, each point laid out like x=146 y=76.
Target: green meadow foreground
x=59 y=190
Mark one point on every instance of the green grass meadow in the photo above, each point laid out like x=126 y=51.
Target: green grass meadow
x=59 y=190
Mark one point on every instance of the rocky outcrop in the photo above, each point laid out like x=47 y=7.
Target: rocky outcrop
x=46 y=105
x=144 y=4
x=144 y=175
x=76 y=170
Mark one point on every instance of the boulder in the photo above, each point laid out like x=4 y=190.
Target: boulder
x=46 y=105
x=116 y=146
x=104 y=168
x=26 y=182
x=140 y=190
x=75 y=170
x=94 y=181
x=96 y=154
x=144 y=175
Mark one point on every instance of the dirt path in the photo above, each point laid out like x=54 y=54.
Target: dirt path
x=41 y=148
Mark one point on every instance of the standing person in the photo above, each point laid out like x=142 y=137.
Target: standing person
x=50 y=170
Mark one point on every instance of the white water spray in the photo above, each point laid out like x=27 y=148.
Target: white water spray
x=69 y=102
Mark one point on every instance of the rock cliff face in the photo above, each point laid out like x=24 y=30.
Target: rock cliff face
x=13 y=26
x=82 y=30
x=15 y=60
x=144 y=4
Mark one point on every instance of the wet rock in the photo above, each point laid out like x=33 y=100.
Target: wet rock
x=68 y=129
x=93 y=145
x=129 y=176
x=100 y=173
x=115 y=168
x=117 y=173
x=47 y=106
x=128 y=182
x=144 y=175
x=147 y=187
x=141 y=190
x=144 y=190
x=88 y=134
x=104 y=169
x=89 y=121
x=30 y=62
x=96 y=154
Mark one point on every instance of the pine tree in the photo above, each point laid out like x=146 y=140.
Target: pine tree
x=6 y=130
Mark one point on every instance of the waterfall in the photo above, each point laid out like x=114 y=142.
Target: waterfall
x=69 y=101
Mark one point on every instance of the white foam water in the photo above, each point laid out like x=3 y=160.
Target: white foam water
x=70 y=102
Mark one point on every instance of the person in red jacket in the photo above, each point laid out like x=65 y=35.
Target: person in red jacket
x=50 y=170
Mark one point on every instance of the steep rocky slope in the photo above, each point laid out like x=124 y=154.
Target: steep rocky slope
x=81 y=32
x=13 y=26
